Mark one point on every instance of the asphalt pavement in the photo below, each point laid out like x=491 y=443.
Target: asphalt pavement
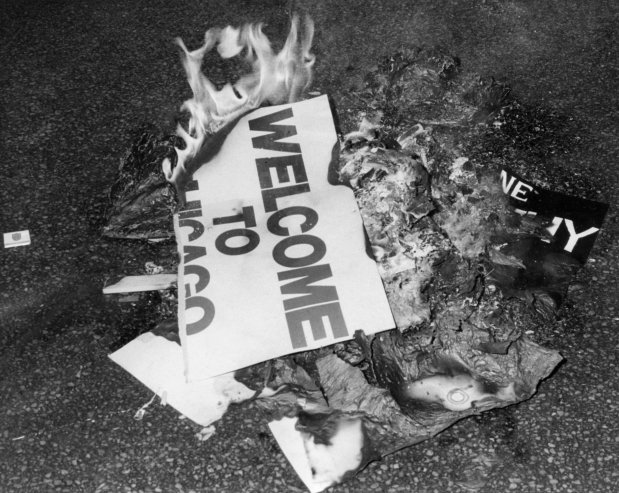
x=78 y=80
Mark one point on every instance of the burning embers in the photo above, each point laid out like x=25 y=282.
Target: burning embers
x=273 y=78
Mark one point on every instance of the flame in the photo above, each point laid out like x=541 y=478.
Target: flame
x=273 y=79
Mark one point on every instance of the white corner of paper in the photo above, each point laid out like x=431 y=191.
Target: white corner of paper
x=158 y=364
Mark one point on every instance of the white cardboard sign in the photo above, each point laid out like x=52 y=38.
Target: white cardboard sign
x=272 y=256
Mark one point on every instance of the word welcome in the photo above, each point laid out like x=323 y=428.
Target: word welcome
x=308 y=306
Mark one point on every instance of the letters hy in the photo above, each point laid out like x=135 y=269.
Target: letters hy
x=520 y=191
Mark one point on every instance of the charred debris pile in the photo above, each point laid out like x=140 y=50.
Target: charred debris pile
x=473 y=283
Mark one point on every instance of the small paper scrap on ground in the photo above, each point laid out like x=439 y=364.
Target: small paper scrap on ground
x=17 y=238
x=134 y=284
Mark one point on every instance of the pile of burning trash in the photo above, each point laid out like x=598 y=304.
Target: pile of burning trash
x=475 y=255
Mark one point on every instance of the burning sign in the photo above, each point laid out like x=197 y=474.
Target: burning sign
x=273 y=78
x=272 y=253
x=273 y=256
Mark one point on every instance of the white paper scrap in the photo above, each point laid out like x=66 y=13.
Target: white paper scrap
x=158 y=364
x=320 y=465
x=292 y=445
x=17 y=238
x=133 y=284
